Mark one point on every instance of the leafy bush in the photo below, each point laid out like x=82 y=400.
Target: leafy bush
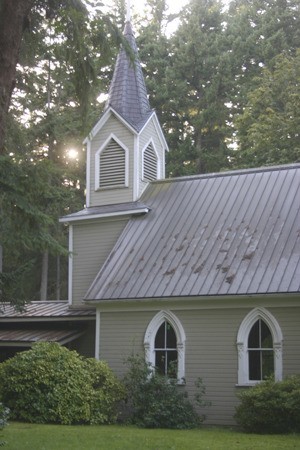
x=156 y=401
x=270 y=407
x=50 y=384
x=106 y=394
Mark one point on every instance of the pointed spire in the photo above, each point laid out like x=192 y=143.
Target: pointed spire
x=128 y=16
x=127 y=93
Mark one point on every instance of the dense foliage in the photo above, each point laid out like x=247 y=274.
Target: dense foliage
x=270 y=407
x=50 y=384
x=53 y=105
x=268 y=128
x=158 y=402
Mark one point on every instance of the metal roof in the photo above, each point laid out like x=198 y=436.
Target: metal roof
x=26 y=337
x=231 y=233
x=44 y=309
x=128 y=93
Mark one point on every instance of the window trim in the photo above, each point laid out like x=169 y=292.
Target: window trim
x=242 y=345
x=149 y=341
x=111 y=137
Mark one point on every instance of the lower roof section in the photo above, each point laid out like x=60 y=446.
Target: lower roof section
x=44 y=311
x=97 y=212
x=27 y=337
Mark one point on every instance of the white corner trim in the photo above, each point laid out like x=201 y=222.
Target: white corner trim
x=70 y=274
x=136 y=170
x=88 y=173
x=97 y=334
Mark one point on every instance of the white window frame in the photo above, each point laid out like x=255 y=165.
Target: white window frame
x=97 y=162
x=143 y=160
x=242 y=345
x=149 y=341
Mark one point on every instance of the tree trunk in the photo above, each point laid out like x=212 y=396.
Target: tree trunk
x=44 y=276
x=58 y=276
x=13 y=17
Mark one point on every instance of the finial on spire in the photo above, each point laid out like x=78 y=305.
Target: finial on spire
x=128 y=15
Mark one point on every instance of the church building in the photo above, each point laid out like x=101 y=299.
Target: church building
x=200 y=272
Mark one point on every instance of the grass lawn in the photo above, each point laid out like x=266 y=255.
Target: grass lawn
x=22 y=436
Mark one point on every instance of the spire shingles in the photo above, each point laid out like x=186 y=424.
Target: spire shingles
x=128 y=94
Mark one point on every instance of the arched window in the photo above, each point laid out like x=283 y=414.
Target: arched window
x=259 y=344
x=111 y=166
x=165 y=348
x=164 y=344
x=260 y=352
x=150 y=164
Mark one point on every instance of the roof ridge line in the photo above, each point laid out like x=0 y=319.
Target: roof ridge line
x=229 y=173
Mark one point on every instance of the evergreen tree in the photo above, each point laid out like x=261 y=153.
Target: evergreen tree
x=268 y=128
x=61 y=58
x=197 y=81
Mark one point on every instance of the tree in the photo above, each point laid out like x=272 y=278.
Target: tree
x=60 y=56
x=257 y=31
x=268 y=128
x=13 y=20
x=197 y=83
x=154 y=51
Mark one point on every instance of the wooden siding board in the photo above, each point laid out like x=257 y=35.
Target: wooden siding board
x=91 y=252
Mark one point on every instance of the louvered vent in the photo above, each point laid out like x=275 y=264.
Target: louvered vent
x=150 y=164
x=112 y=166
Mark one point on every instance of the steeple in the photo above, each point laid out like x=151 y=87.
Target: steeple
x=127 y=93
x=126 y=148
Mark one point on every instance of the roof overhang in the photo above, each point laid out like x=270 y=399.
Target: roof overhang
x=24 y=337
x=86 y=216
x=45 y=311
x=195 y=302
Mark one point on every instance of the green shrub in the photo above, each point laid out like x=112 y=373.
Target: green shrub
x=107 y=392
x=270 y=407
x=156 y=401
x=50 y=384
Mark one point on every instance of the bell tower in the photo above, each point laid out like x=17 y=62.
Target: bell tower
x=126 y=148
x=125 y=151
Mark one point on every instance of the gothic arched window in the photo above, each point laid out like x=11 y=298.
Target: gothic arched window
x=259 y=344
x=164 y=344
